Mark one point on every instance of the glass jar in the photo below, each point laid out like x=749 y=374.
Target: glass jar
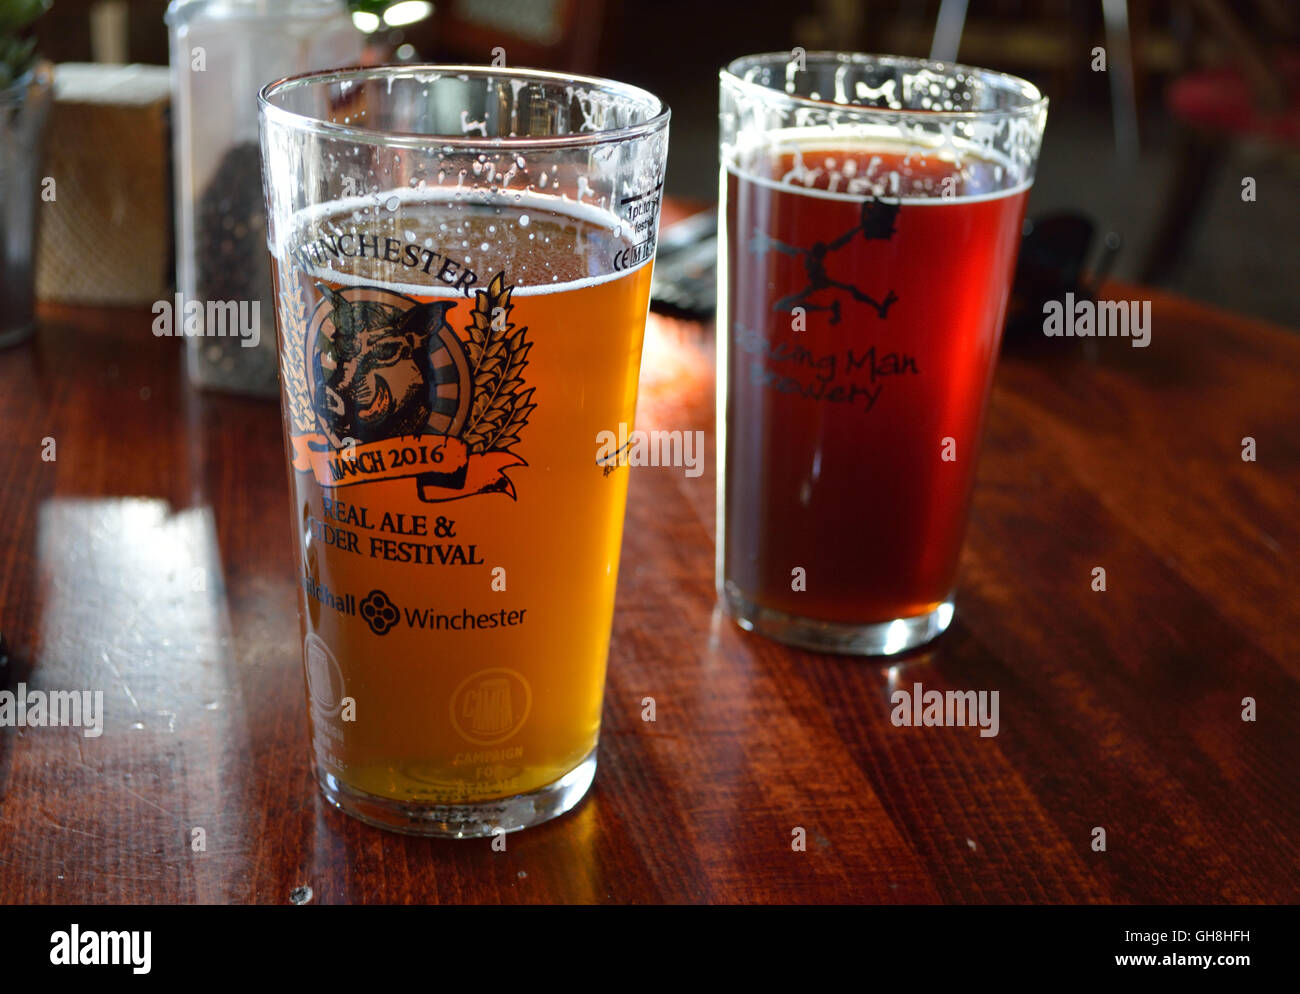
x=222 y=53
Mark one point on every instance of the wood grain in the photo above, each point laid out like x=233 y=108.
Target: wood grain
x=152 y=559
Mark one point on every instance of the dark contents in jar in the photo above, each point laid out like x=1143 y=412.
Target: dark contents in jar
x=232 y=265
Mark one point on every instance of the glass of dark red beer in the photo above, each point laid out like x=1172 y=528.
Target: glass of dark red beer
x=872 y=210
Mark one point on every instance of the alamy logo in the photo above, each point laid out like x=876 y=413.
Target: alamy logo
x=1086 y=318
x=954 y=708
x=650 y=448
x=181 y=318
x=77 y=948
x=25 y=708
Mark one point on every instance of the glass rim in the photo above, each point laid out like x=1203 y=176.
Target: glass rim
x=658 y=119
x=1035 y=101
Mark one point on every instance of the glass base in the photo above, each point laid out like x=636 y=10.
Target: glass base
x=883 y=638
x=462 y=821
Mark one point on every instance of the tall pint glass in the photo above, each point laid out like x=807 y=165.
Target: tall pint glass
x=462 y=260
x=872 y=209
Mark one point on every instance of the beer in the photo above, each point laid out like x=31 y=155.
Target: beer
x=866 y=288
x=448 y=364
x=873 y=206
x=462 y=258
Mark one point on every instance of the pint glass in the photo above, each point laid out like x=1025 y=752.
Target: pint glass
x=872 y=209
x=462 y=260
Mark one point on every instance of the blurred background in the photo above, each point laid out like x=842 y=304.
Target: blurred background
x=1195 y=97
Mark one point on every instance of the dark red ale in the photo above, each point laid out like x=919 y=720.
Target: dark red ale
x=863 y=330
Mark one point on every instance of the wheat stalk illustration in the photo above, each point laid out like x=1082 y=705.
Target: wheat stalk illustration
x=497 y=356
x=293 y=318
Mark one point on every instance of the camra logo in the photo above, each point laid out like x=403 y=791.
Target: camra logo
x=490 y=706
x=324 y=677
x=381 y=387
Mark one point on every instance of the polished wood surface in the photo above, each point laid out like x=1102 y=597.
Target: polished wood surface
x=152 y=559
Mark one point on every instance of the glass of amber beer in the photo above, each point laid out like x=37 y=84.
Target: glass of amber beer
x=872 y=209
x=462 y=260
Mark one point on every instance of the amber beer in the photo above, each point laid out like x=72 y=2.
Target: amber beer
x=447 y=369
x=462 y=258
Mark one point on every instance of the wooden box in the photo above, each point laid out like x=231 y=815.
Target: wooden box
x=106 y=226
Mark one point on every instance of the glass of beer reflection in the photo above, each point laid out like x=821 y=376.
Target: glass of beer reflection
x=872 y=213
x=462 y=260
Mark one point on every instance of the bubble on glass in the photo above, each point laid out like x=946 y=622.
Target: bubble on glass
x=392 y=203
x=523 y=218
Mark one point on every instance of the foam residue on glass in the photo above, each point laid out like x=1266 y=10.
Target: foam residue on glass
x=486 y=121
x=898 y=115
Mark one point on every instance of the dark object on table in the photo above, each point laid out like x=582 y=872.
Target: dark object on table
x=685 y=280
x=26 y=92
x=1053 y=255
x=1254 y=97
x=233 y=265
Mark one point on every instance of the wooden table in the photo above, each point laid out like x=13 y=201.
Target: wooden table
x=1120 y=709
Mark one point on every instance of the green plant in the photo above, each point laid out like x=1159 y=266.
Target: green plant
x=17 y=44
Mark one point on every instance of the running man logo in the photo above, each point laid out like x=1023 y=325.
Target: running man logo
x=876 y=223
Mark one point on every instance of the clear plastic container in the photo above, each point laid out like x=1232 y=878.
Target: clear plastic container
x=222 y=53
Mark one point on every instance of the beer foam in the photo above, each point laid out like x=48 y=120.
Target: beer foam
x=519 y=208
x=872 y=144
